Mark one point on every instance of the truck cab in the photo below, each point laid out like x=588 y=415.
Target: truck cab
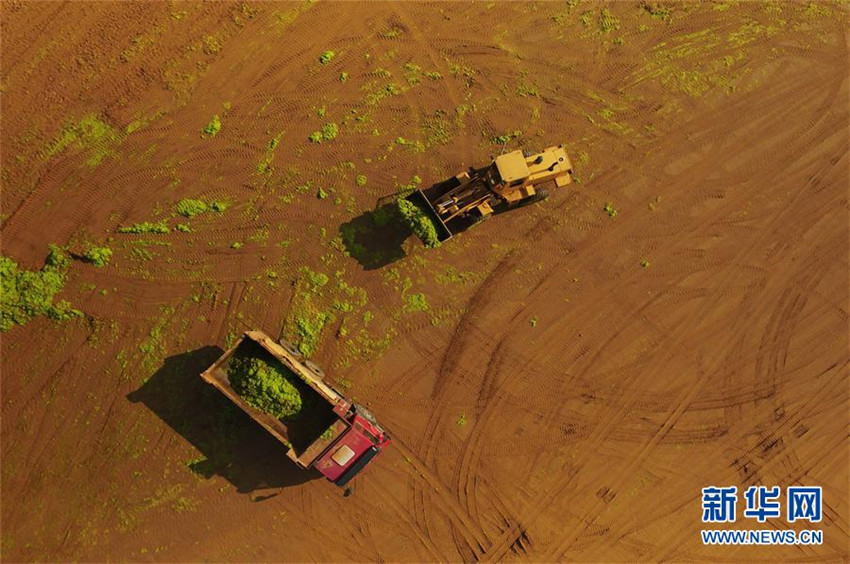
x=354 y=449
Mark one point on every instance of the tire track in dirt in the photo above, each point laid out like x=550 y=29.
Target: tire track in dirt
x=785 y=323
x=48 y=427
x=485 y=284
x=464 y=328
x=468 y=471
x=755 y=391
x=65 y=171
x=483 y=496
x=654 y=514
x=794 y=475
x=506 y=538
x=691 y=227
x=30 y=393
x=409 y=21
x=392 y=395
x=449 y=361
x=39 y=21
x=450 y=357
x=234 y=299
x=471 y=532
x=665 y=427
x=401 y=512
x=492 y=409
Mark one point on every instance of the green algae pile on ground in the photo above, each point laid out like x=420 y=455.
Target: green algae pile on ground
x=419 y=222
x=98 y=256
x=264 y=383
x=28 y=294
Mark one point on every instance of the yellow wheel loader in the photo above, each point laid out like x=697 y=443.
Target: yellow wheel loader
x=511 y=180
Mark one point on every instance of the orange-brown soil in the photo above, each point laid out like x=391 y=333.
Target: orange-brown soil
x=566 y=383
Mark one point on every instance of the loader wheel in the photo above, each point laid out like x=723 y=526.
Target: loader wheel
x=289 y=347
x=539 y=195
x=315 y=368
x=481 y=219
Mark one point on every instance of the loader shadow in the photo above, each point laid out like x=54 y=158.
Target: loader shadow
x=375 y=238
x=233 y=445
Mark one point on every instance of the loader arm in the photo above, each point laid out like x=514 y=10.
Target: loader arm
x=468 y=207
x=467 y=196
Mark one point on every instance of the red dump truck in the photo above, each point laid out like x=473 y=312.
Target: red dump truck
x=332 y=434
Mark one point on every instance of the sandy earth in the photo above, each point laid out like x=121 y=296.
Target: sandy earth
x=557 y=400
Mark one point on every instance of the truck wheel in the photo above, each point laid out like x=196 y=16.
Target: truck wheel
x=315 y=368
x=289 y=347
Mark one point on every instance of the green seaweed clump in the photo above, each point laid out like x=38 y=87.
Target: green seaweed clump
x=28 y=294
x=415 y=302
x=89 y=134
x=326 y=57
x=309 y=327
x=213 y=127
x=190 y=208
x=98 y=256
x=146 y=227
x=419 y=222
x=265 y=384
x=328 y=133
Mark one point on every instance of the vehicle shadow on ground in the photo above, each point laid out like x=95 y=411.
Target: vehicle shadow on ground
x=233 y=445
x=375 y=238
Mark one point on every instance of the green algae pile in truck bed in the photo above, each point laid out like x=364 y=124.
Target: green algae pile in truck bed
x=264 y=383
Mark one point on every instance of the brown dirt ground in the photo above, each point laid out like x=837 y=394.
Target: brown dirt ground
x=555 y=401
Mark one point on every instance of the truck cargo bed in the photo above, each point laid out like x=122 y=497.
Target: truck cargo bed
x=312 y=430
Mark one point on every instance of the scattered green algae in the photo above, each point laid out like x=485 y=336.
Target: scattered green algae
x=90 y=135
x=28 y=294
x=98 y=256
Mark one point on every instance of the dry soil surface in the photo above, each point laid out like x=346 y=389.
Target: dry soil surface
x=559 y=382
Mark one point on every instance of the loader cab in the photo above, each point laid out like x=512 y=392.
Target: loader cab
x=512 y=171
x=492 y=178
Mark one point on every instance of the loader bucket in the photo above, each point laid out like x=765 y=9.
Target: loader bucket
x=418 y=197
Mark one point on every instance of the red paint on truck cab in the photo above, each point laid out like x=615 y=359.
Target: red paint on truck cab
x=352 y=447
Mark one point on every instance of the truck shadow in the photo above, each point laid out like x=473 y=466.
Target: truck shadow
x=375 y=238
x=232 y=445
